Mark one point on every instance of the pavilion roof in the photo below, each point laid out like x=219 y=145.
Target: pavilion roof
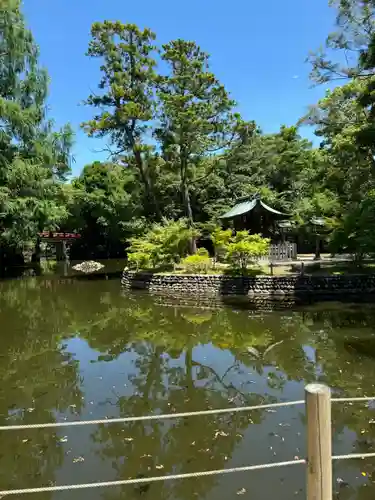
x=244 y=207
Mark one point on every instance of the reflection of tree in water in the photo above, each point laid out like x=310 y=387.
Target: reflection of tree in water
x=169 y=375
x=39 y=379
x=349 y=374
x=271 y=345
x=171 y=446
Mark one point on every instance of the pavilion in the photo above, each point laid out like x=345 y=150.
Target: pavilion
x=256 y=216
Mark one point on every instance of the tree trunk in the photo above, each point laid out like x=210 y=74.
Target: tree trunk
x=37 y=252
x=189 y=370
x=143 y=171
x=317 y=248
x=187 y=205
x=147 y=183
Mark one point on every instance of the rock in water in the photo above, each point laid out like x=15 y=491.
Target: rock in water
x=89 y=266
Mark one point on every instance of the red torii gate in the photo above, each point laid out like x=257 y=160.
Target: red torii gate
x=60 y=240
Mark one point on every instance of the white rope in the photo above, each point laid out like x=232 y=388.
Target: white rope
x=353 y=455
x=345 y=400
x=143 y=480
x=173 y=415
x=150 y=417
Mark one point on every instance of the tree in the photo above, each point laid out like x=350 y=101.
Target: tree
x=33 y=158
x=164 y=244
x=354 y=42
x=244 y=249
x=220 y=239
x=354 y=232
x=105 y=208
x=126 y=101
x=196 y=113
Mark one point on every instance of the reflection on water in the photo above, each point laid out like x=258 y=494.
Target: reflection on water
x=81 y=350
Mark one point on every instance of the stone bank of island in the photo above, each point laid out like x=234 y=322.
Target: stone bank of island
x=276 y=270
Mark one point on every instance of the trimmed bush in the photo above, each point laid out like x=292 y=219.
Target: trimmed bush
x=198 y=263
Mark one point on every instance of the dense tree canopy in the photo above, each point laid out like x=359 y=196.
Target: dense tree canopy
x=33 y=158
x=177 y=146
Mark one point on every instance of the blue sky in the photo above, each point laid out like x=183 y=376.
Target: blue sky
x=258 y=50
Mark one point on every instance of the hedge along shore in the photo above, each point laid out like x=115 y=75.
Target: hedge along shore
x=268 y=286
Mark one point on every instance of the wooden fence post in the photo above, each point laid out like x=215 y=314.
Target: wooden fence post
x=319 y=442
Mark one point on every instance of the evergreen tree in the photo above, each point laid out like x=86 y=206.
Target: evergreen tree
x=33 y=158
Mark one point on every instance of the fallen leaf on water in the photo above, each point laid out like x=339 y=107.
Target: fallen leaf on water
x=364 y=474
x=78 y=459
x=220 y=433
x=242 y=491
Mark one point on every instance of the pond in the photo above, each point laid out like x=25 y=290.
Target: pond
x=82 y=349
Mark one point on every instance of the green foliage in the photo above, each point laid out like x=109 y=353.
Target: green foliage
x=354 y=233
x=33 y=158
x=105 y=207
x=139 y=259
x=195 y=112
x=203 y=157
x=198 y=263
x=245 y=249
x=220 y=239
x=163 y=245
x=125 y=101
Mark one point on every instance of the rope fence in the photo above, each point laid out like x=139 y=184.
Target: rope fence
x=235 y=409
x=319 y=445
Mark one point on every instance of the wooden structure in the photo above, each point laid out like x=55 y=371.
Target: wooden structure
x=282 y=251
x=60 y=240
x=255 y=216
x=319 y=442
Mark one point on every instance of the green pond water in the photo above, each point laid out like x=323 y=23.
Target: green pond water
x=82 y=349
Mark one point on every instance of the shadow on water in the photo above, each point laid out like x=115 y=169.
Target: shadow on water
x=84 y=349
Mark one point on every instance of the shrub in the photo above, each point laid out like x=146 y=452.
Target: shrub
x=245 y=249
x=198 y=263
x=139 y=260
x=162 y=245
x=203 y=252
x=220 y=239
